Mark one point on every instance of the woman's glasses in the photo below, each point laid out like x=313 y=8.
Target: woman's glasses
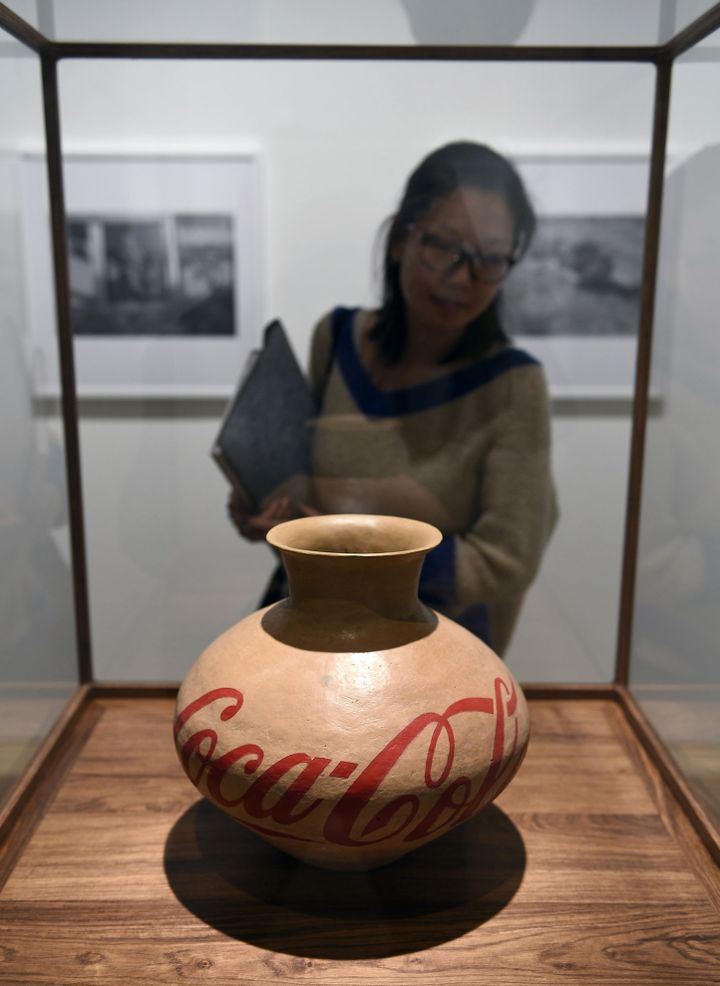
x=447 y=256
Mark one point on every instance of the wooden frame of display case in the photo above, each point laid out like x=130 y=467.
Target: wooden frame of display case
x=27 y=800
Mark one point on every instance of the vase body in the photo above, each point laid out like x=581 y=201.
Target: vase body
x=350 y=724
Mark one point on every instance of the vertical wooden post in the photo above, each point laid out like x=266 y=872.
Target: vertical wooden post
x=67 y=364
x=642 y=371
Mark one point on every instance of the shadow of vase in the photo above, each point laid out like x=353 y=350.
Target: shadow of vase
x=236 y=883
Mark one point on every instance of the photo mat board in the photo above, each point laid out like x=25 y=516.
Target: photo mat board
x=574 y=299
x=164 y=270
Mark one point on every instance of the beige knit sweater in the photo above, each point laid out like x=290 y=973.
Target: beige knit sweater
x=469 y=453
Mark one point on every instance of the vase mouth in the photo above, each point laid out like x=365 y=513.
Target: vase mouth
x=354 y=535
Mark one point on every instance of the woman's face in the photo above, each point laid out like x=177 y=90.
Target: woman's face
x=444 y=302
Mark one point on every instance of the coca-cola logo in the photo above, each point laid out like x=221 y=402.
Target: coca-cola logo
x=279 y=795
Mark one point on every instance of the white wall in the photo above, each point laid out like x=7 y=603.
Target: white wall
x=528 y=22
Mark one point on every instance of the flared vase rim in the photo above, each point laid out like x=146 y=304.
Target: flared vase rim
x=293 y=536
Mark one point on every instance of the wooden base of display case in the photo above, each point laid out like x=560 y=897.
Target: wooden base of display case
x=584 y=871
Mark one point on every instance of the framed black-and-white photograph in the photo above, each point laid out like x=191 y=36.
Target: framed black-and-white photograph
x=164 y=271
x=574 y=300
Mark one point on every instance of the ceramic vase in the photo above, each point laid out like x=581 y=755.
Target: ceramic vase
x=349 y=724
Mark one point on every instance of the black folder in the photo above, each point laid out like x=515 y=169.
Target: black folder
x=265 y=439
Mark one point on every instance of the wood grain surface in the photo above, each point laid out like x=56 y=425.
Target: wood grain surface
x=582 y=872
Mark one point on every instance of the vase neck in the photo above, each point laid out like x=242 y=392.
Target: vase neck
x=385 y=584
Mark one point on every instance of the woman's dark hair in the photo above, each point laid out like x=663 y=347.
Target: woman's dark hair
x=458 y=165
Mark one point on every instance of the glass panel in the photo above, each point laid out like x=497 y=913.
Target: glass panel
x=167 y=570
x=28 y=10
x=676 y=645
x=38 y=668
x=523 y=22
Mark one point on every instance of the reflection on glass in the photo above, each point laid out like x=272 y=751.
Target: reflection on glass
x=676 y=646
x=38 y=659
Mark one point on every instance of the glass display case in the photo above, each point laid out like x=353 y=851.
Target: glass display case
x=174 y=177
x=38 y=672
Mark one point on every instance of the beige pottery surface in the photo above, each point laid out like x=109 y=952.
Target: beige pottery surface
x=350 y=724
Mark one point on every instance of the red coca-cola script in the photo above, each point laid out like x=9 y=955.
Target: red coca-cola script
x=273 y=798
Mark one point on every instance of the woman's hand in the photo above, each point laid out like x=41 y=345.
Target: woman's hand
x=254 y=527
x=305 y=510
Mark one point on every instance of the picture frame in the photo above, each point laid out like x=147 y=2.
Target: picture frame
x=164 y=256
x=574 y=299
